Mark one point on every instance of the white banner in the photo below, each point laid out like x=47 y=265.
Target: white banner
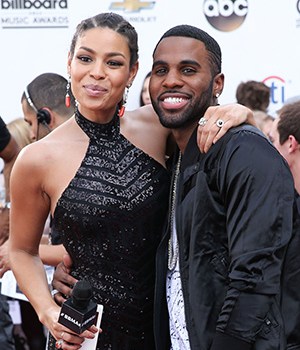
x=259 y=39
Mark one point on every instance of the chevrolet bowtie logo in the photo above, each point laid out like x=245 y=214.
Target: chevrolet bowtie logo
x=131 y=5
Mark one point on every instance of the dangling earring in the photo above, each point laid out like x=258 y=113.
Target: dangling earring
x=122 y=104
x=68 y=98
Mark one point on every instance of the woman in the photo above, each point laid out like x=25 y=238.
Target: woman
x=103 y=178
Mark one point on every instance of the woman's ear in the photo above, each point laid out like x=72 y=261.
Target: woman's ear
x=133 y=72
x=69 y=63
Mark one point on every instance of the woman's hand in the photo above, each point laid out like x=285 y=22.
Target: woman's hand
x=65 y=338
x=217 y=120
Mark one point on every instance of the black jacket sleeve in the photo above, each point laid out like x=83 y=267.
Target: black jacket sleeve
x=224 y=341
x=257 y=189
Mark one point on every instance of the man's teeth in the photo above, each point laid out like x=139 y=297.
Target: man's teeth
x=173 y=100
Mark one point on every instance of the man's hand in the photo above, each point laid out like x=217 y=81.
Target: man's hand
x=62 y=280
x=230 y=115
x=4 y=259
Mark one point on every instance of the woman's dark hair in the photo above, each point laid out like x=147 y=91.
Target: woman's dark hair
x=112 y=21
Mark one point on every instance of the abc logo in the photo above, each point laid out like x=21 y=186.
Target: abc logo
x=226 y=15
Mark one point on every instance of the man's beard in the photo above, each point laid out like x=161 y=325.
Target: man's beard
x=191 y=114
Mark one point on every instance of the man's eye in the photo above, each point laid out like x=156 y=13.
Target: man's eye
x=160 y=71
x=188 y=70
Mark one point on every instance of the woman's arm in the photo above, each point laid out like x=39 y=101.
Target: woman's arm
x=231 y=114
x=29 y=210
x=30 y=206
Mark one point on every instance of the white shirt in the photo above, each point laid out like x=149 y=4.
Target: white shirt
x=178 y=331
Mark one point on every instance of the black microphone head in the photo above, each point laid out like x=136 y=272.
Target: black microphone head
x=81 y=294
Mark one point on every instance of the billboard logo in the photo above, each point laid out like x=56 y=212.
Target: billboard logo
x=277 y=89
x=131 y=5
x=20 y=14
x=33 y=4
x=226 y=15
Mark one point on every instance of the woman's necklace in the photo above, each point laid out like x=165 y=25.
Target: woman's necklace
x=173 y=253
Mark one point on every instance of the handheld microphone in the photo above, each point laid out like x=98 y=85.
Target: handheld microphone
x=79 y=312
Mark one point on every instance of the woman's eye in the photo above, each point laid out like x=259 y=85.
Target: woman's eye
x=84 y=58
x=114 y=63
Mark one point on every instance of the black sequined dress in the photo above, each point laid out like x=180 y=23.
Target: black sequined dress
x=110 y=218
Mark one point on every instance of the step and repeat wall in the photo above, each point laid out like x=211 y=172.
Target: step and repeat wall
x=260 y=40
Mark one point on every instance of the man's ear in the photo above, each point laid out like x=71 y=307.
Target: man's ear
x=293 y=144
x=218 y=84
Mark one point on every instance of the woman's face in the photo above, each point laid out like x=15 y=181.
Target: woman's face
x=100 y=71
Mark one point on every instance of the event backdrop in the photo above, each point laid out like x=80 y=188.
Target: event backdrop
x=260 y=40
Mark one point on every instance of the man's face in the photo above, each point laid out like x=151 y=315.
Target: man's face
x=274 y=138
x=181 y=84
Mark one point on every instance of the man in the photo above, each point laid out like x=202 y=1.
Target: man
x=44 y=109
x=285 y=136
x=218 y=287
x=44 y=103
x=231 y=221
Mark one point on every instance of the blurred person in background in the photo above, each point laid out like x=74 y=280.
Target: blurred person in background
x=145 y=96
x=44 y=108
x=20 y=132
x=256 y=96
x=285 y=136
x=8 y=152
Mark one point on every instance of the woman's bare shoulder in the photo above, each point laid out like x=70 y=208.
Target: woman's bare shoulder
x=143 y=129
x=145 y=117
x=52 y=147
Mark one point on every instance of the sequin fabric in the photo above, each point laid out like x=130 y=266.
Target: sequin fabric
x=110 y=219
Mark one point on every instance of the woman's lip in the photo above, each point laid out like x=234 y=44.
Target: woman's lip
x=94 y=90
